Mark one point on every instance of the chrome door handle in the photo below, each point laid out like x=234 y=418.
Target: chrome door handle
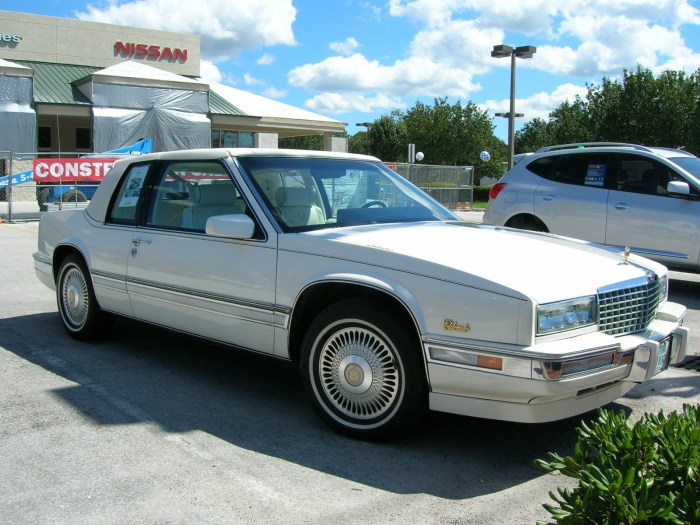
x=135 y=245
x=620 y=206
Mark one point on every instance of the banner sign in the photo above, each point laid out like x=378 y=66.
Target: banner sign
x=17 y=178
x=72 y=170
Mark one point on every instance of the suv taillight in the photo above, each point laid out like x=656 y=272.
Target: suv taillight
x=496 y=189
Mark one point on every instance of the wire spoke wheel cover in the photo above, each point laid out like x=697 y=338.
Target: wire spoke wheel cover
x=75 y=298
x=358 y=373
x=77 y=304
x=363 y=369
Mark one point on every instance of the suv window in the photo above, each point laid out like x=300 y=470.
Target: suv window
x=582 y=169
x=639 y=174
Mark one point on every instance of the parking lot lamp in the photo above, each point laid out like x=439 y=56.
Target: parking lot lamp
x=502 y=51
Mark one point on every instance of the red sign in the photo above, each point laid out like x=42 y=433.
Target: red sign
x=72 y=170
x=132 y=50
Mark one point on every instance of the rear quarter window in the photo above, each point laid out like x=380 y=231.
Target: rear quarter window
x=592 y=169
x=542 y=166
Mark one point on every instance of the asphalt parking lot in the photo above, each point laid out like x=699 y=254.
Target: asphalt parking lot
x=150 y=427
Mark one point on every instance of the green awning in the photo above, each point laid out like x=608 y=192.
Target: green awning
x=53 y=83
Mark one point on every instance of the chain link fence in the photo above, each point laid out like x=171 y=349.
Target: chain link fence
x=22 y=198
x=452 y=186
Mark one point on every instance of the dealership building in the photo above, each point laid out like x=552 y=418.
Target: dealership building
x=73 y=86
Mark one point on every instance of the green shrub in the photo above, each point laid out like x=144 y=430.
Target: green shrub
x=481 y=193
x=646 y=473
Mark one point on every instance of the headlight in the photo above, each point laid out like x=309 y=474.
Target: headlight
x=566 y=315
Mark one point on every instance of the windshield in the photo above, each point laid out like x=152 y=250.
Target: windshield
x=689 y=164
x=313 y=193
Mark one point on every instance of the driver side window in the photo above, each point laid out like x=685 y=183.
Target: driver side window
x=643 y=175
x=185 y=195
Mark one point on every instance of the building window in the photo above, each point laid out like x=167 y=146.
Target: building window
x=44 y=138
x=82 y=138
x=246 y=140
x=232 y=139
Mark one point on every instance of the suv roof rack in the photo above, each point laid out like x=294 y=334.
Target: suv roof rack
x=583 y=145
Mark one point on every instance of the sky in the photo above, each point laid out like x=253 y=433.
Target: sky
x=356 y=60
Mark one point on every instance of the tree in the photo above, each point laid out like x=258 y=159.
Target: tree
x=387 y=138
x=455 y=135
x=571 y=122
x=309 y=142
x=359 y=143
x=533 y=135
x=639 y=108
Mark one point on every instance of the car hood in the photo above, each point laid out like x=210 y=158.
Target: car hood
x=522 y=264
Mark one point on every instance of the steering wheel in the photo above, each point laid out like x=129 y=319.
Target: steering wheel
x=375 y=203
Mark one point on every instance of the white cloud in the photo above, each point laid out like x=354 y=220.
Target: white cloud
x=346 y=47
x=266 y=59
x=415 y=75
x=272 y=92
x=209 y=71
x=250 y=80
x=225 y=29
x=539 y=105
x=337 y=103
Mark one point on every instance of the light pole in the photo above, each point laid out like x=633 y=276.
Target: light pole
x=502 y=51
x=367 y=125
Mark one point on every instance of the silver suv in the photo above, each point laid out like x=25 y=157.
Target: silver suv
x=621 y=195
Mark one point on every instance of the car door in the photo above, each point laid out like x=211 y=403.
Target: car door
x=572 y=197
x=109 y=243
x=180 y=277
x=643 y=216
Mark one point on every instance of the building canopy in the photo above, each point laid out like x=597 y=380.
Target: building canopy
x=131 y=100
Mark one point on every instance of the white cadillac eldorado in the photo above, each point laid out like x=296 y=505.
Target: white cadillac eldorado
x=386 y=301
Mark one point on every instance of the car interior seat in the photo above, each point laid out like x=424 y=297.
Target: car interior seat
x=655 y=181
x=298 y=206
x=209 y=200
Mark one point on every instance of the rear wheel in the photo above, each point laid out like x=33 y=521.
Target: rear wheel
x=363 y=372
x=528 y=223
x=80 y=313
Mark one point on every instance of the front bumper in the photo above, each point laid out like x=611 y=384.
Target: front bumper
x=530 y=385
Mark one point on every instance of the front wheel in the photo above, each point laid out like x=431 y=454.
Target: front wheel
x=364 y=374
x=80 y=313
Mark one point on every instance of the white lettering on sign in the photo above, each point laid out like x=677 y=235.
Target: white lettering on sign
x=6 y=37
x=71 y=169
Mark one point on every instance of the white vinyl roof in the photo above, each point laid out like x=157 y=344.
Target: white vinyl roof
x=258 y=106
x=10 y=68
x=134 y=72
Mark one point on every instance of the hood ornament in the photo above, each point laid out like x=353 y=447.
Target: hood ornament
x=627 y=253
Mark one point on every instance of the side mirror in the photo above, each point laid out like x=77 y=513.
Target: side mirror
x=678 y=188
x=237 y=226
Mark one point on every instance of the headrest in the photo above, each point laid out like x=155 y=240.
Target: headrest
x=214 y=194
x=295 y=197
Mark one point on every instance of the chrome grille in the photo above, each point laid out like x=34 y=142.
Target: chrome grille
x=628 y=309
